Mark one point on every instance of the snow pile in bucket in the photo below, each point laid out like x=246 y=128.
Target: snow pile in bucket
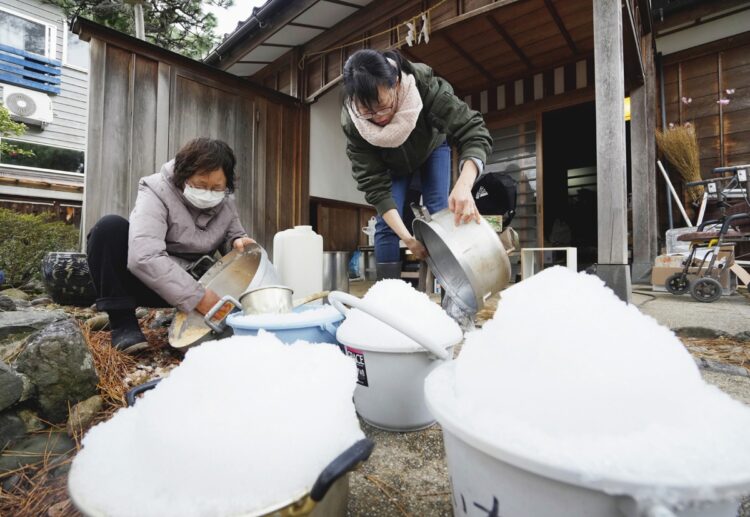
x=403 y=301
x=312 y=316
x=569 y=376
x=242 y=424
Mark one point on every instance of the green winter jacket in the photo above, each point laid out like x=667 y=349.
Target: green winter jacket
x=443 y=115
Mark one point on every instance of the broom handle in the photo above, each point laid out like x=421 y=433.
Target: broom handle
x=674 y=194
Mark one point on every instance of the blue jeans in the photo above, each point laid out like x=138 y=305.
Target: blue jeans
x=433 y=180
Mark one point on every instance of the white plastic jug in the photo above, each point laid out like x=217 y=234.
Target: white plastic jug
x=298 y=257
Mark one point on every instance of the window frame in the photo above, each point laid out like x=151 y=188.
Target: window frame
x=66 y=35
x=41 y=169
x=50 y=32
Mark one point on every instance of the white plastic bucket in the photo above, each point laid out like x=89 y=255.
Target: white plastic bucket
x=390 y=388
x=487 y=480
x=298 y=257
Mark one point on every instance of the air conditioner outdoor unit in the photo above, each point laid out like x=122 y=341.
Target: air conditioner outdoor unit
x=27 y=106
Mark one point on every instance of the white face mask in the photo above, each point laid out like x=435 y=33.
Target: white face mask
x=202 y=198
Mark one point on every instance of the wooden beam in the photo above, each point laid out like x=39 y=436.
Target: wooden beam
x=561 y=26
x=460 y=51
x=471 y=14
x=346 y=4
x=512 y=44
x=255 y=62
x=307 y=26
x=277 y=45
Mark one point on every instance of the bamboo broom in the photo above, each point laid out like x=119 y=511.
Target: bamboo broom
x=679 y=145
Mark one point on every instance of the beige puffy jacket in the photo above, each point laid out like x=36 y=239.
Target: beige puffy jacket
x=167 y=234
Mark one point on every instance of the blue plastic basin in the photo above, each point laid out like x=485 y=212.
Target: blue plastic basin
x=318 y=330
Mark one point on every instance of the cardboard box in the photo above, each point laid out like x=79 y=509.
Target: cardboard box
x=728 y=280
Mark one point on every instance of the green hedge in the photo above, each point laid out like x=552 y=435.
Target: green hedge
x=25 y=238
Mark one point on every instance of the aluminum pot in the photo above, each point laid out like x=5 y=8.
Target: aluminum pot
x=268 y=299
x=336 y=270
x=468 y=260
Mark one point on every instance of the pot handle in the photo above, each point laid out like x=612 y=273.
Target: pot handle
x=219 y=324
x=338 y=299
x=346 y=461
x=421 y=212
x=132 y=393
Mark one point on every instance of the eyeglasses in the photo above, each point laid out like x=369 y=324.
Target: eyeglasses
x=380 y=113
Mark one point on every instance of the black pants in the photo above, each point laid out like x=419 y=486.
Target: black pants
x=116 y=287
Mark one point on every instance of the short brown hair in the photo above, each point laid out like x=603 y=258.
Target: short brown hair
x=202 y=155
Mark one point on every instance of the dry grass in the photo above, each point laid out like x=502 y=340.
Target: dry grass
x=38 y=491
x=680 y=146
x=723 y=350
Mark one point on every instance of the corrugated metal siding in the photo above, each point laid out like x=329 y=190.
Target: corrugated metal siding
x=70 y=107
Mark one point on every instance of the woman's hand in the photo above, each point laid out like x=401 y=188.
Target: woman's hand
x=240 y=243
x=461 y=201
x=417 y=248
x=209 y=300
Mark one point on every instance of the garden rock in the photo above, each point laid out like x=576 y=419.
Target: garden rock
x=7 y=303
x=11 y=428
x=59 y=364
x=162 y=319
x=34 y=449
x=44 y=300
x=15 y=294
x=11 y=386
x=25 y=322
x=30 y=420
x=141 y=312
x=83 y=413
x=98 y=322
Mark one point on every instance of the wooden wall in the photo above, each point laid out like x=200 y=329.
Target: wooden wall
x=695 y=80
x=146 y=103
x=340 y=223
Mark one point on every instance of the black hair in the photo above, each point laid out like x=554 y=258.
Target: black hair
x=367 y=69
x=202 y=155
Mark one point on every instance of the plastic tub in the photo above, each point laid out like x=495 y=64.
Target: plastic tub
x=315 y=328
x=487 y=479
x=390 y=385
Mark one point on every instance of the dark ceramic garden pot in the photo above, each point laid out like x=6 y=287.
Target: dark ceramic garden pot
x=67 y=279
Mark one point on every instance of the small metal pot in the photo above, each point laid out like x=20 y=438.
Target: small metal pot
x=468 y=260
x=275 y=299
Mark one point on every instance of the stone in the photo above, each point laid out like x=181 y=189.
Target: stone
x=22 y=304
x=33 y=286
x=7 y=303
x=11 y=483
x=141 y=312
x=83 y=413
x=11 y=386
x=59 y=364
x=98 y=322
x=35 y=449
x=11 y=346
x=700 y=332
x=11 y=428
x=162 y=319
x=44 y=300
x=15 y=294
x=19 y=322
x=30 y=420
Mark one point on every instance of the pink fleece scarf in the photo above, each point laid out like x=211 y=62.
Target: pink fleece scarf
x=404 y=119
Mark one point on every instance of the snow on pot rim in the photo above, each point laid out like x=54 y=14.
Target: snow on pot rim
x=193 y=446
x=445 y=406
x=302 y=317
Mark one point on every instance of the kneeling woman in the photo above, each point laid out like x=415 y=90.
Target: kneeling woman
x=181 y=213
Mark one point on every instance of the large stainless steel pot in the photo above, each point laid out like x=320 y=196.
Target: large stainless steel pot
x=336 y=270
x=468 y=260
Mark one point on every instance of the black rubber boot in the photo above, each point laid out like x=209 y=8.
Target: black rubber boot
x=386 y=270
x=126 y=334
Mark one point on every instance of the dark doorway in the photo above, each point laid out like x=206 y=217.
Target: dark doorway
x=569 y=180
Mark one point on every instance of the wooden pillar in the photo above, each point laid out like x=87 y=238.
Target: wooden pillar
x=642 y=147
x=611 y=181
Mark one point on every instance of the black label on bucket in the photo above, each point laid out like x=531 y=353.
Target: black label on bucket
x=359 y=358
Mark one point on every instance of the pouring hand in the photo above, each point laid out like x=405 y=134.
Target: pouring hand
x=416 y=247
x=240 y=243
x=461 y=203
x=209 y=300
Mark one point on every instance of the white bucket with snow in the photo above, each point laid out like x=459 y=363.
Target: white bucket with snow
x=489 y=480
x=570 y=402
x=395 y=349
